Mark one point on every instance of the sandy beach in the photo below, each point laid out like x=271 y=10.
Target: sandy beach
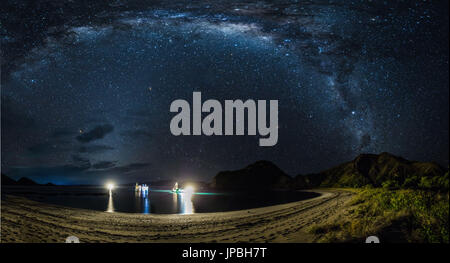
x=23 y=220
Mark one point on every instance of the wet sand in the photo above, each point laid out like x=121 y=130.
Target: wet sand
x=23 y=220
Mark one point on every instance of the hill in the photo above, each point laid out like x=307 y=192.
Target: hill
x=260 y=175
x=7 y=180
x=26 y=181
x=383 y=170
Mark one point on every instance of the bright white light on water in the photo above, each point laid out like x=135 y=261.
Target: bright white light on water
x=189 y=190
x=110 y=208
x=110 y=186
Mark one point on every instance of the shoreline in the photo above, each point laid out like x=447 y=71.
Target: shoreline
x=23 y=220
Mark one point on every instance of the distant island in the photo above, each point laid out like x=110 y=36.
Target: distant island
x=23 y=181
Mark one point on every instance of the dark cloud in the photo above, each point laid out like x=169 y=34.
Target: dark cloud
x=130 y=167
x=98 y=148
x=104 y=165
x=81 y=162
x=95 y=134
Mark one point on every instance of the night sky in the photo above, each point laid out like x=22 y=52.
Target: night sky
x=86 y=86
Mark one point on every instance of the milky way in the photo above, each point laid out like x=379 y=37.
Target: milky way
x=86 y=89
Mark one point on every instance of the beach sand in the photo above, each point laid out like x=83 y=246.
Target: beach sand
x=23 y=220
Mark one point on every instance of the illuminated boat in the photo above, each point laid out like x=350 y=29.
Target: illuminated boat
x=141 y=188
x=175 y=188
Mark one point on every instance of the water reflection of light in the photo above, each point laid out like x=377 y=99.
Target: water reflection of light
x=137 y=204
x=187 y=207
x=175 y=202
x=142 y=198
x=146 y=205
x=110 y=208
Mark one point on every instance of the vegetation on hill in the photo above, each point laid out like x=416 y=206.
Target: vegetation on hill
x=392 y=215
x=383 y=170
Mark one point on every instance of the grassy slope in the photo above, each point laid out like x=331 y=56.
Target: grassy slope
x=383 y=170
x=392 y=215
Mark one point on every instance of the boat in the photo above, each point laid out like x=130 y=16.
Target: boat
x=176 y=189
x=141 y=188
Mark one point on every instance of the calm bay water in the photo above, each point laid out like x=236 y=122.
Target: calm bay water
x=159 y=201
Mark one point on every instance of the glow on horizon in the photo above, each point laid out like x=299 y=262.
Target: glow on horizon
x=110 y=186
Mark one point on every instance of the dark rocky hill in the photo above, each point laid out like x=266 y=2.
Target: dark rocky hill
x=260 y=175
x=26 y=181
x=7 y=180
